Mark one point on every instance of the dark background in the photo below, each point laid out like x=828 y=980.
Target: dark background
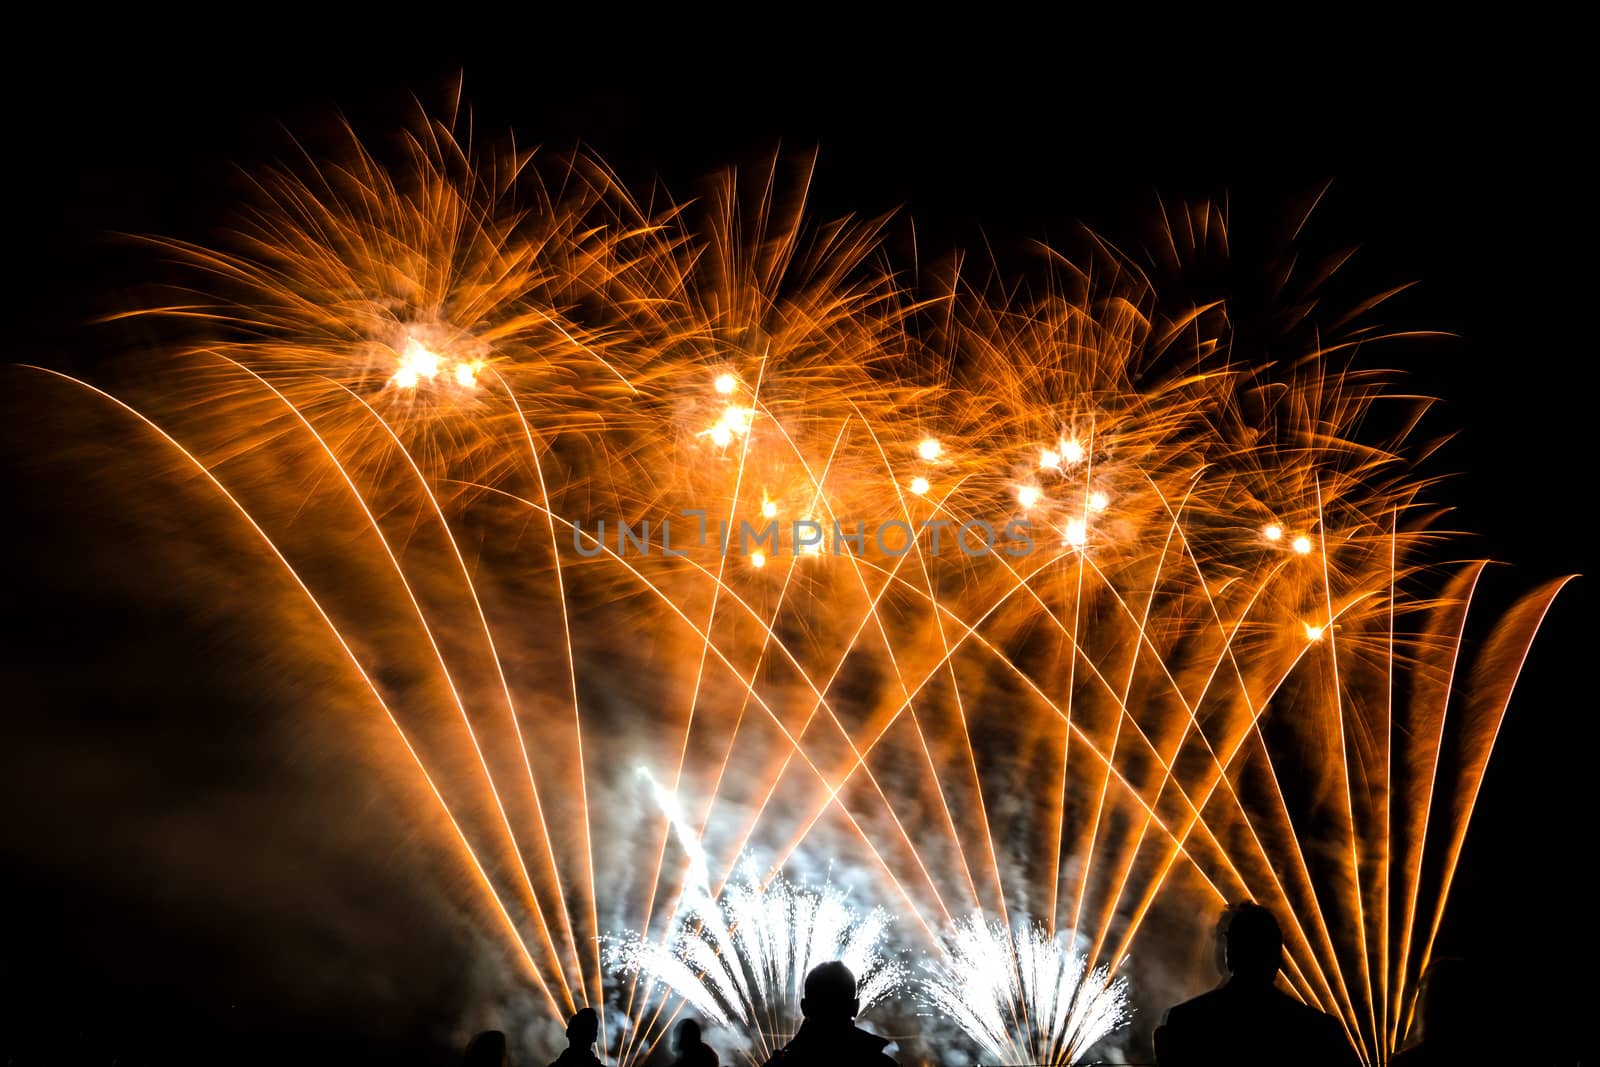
x=1457 y=160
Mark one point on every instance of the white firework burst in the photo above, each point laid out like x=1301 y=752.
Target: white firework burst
x=1022 y=995
x=740 y=960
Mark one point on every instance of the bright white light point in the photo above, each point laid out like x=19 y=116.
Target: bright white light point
x=1099 y=501
x=726 y=383
x=919 y=485
x=769 y=509
x=738 y=419
x=1071 y=452
x=930 y=449
x=721 y=436
x=1313 y=633
x=1077 y=533
x=758 y=560
x=1049 y=460
x=1028 y=495
x=464 y=375
x=1302 y=545
x=1272 y=532
x=416 y=362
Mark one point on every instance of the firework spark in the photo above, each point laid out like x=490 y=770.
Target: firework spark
x=1022 y=995
x=741 y=960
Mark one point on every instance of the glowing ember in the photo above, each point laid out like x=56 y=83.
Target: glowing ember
x=417 y=362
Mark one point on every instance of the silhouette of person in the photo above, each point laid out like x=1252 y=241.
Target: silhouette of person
x=582 y=1030
x=487 y=1049
x=1247 y=1020
x=692 y=1052
x=1453 y=1022
x=828 y=1036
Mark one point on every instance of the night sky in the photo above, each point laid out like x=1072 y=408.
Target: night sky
x=136 y=929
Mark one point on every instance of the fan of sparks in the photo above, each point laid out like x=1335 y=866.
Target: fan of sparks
x=1199 y=652
x=1024 y=997
x=741 y=961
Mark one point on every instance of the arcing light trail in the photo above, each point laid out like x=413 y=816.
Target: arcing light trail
x=415 y=378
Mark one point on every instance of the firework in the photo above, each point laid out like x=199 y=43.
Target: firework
x=741 y=960
x=1166 y=573
x=1022 y=995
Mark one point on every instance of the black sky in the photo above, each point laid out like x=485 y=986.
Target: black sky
x=1459 y=161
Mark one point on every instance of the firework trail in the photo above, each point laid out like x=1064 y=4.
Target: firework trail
x=1181 y=631
x=741 y=960
x=1023 y=995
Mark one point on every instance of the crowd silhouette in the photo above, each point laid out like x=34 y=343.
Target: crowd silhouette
x=1247 y=1021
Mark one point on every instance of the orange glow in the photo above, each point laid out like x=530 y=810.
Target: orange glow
x=361 y=436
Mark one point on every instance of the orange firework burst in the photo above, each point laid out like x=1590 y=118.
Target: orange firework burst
x=1034 y=602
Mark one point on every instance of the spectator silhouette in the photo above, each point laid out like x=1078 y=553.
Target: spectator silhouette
x=1247 y=1020
x=1453 y=1022
x=487 y=1049
x=692 y=1052
x=828 y=1036
x=582 y=1030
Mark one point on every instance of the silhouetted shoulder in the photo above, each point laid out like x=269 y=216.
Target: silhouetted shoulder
x=576 y=1058
x=853 y=1047
x=1250 y=1025
x=1189 y=1011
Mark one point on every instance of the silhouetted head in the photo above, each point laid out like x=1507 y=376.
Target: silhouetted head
x=583 y=1028
x=688 y=1034
x=487 y=1049
x=1253 y=944
x=830 y=994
